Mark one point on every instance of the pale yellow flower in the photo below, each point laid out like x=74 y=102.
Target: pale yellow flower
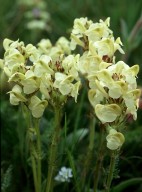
x=42 y=66
x=95 y=97
x=131 y=102
x=32 y=53
x=13 y=57
x=115 y=139
x=64 y=45
x=69 y=65
x=76 y=41
x=46 y=85
x=63 y=83
x=78 y=32
x=88 y=64
x=6 y=43
x=44 y=46
x=118 y=79
x=37 y=106
x=81 y=25
x=98 y=30
x=31 y=82
x=114 y=82
x=9 y=44
x=108 y=46
x=75 y=90
x=107 y=113
x=17 y=77
x=121 y=71
x=16 y=95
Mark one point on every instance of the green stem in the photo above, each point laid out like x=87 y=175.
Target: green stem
x=34 y=169
x=53 y=150
x=99 y=160
x=78 y=115
x=72 y=165
x=31 y=143
x=111 y=170
x=89 y=152
x=79 y=110
x=39 y=153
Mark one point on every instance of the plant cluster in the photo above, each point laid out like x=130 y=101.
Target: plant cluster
x=49 y=75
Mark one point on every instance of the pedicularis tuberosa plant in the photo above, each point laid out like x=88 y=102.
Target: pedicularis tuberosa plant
x=47 y=76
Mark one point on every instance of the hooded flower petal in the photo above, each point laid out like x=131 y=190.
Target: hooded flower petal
x=16 y=96
x=107 y=113
x=37 y=106
x=30 y=83
x=95 y=97
x=115 y=139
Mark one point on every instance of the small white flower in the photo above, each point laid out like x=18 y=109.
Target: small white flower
x=64 y=175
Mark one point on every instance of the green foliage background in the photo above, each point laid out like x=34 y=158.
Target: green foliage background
x=15 y=167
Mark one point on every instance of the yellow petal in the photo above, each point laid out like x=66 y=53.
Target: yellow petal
x=75 y=90
x=101 y=89
x=134 y=70
x=30 y=85
x=77 y=40
x=37 y=106
x=104 y=76
x=115 y=139
x=6 y=43
x=107 y=113
x=95 y=97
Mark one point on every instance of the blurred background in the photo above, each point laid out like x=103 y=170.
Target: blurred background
x=33 y=20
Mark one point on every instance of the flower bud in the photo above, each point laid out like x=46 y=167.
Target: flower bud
x=115 y=139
